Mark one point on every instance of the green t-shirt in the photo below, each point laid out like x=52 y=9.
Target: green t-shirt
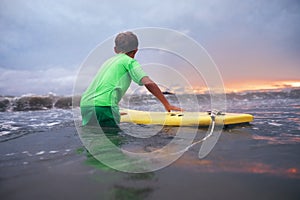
x=112 y=81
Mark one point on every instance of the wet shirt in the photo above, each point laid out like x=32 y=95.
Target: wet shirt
x=112 y=81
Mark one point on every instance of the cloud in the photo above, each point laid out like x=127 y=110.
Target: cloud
x=18 y=82
x=247 y=39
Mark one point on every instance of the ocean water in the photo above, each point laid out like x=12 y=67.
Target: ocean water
x=20 y=123
x=276 y=114
x=260 y=160
x=268 y=145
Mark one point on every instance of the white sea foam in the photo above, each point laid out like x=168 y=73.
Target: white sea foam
x=40 y=153
x=8 y=126
x=43 y=124
x=53 y=123
x=2 y=133
x=27 y=153
x=10 y=154
x=274 y=124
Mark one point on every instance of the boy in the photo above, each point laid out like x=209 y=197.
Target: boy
x=99 y=103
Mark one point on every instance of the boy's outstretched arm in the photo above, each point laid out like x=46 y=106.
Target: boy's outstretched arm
x=154 y=89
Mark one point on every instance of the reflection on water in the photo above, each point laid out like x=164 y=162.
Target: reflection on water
x=239 y=166
x=281 y=139
x=126 y=185
x=130 y=193
x=253 y=149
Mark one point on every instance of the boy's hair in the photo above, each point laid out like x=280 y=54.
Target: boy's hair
x=126 y=42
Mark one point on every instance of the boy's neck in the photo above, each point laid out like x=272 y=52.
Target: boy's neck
x=131 y=53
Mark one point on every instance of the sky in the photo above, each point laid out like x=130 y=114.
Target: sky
x=43 y=43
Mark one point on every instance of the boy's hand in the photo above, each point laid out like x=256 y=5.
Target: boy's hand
x=170 y=107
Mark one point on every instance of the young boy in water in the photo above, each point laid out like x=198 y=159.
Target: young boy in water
x=99 y=103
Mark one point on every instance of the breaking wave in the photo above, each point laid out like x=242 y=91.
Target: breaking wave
x=46 y=102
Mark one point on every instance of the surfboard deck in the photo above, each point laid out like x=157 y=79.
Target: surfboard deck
x=181 y=118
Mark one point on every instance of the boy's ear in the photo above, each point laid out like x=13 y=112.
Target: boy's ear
x=116 y=50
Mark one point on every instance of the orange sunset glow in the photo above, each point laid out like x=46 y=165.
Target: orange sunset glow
x=248 y=85
x=260 y=85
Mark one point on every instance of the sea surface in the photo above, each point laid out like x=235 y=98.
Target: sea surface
x=41 y=155
x=276 y=114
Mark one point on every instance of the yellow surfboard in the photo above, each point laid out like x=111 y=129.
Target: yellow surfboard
x=181 y=118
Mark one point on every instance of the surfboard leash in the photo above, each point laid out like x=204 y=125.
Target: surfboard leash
x=213 y=115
